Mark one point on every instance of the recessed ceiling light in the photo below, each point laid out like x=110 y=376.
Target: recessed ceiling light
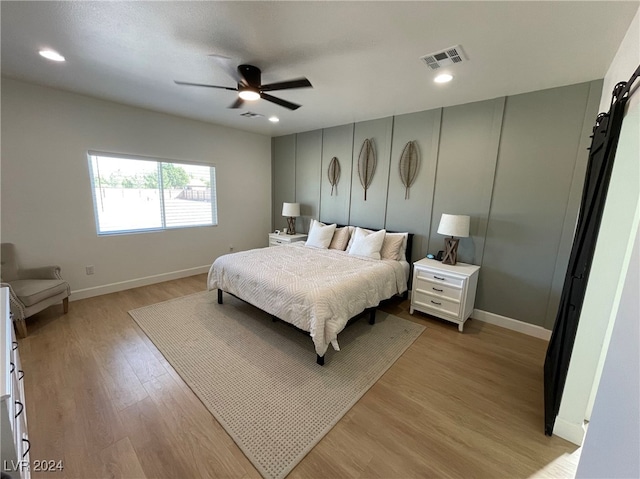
x=443 y=78
x=274 y=119
x=52 y=55
x=249 y=95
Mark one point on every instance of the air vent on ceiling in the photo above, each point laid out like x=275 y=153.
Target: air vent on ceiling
x=446 y=57
x=250 y=114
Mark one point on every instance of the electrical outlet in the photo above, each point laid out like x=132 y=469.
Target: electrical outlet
x=89 y=269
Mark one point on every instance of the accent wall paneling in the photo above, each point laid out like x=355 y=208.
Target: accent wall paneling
x=514 y=164
x=308 y=156
x=371 y=212
x=413 y=213
x=467 y=157
x=284 y=176
x=541 y=134
x=338 y=142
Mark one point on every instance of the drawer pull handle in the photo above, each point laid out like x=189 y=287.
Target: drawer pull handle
x=15 y=345
x=13 y=368
x=18 y=403
x=436 y=289
x=20 y=374
x=435 y=302
x=438 y=277
x=24 y=454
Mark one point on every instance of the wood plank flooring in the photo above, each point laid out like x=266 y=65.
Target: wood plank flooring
x=101 y=398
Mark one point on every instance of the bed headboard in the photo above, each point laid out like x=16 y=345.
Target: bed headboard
x=409 y=240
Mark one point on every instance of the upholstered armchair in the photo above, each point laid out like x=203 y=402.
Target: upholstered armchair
x=31 y=290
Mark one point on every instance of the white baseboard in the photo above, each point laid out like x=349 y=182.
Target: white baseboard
x=135 y=283
x=513 y=324
x=571 y=432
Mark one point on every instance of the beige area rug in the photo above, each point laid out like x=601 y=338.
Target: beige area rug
x=260 y=379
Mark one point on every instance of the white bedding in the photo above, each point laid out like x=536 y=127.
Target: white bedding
x=317 y=290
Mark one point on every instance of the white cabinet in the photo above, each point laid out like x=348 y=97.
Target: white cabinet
x=280 y=239
x=443 y=290
x=14 y=442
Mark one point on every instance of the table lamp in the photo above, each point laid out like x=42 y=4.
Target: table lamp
x=453 y=225
x=291 y=211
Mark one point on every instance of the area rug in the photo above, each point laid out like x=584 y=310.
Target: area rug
x=259 y=378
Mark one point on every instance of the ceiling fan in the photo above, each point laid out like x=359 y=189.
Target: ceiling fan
x=250 y=88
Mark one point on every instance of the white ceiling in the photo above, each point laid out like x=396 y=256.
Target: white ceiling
x=361 y=57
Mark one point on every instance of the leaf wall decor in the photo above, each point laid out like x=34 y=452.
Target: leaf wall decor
x=334 y=173
x=366 y=165
x=409 y=164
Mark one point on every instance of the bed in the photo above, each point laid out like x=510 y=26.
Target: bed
x=316 y=290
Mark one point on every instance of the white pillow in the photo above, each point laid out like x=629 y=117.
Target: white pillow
x=367 y=244
x=352 y=232
x=320 y=235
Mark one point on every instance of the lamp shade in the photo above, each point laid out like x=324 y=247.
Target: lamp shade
x=454 y=225
x=291 y=209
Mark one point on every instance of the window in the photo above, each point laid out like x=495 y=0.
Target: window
x=132 y=194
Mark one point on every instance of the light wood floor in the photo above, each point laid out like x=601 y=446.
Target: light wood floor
x=102 y=398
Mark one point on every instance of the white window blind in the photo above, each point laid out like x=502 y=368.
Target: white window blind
x=133 y=194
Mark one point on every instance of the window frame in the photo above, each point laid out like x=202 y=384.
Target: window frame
x=159 y=162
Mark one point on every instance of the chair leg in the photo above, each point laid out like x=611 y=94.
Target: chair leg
x=65 y=305
x=21 y=326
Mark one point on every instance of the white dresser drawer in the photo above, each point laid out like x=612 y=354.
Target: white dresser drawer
x=428 y=302
x=440 y=289
x=440 y=278
x=277 y=242
x=282 y=239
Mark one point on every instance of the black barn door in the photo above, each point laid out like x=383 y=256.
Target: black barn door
x=601 y=155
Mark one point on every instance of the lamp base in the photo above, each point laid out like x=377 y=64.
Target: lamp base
x=291 y=223
x=450 y=251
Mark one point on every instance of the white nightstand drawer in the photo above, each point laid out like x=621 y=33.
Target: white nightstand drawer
x=437 y=304
x=438 y=288
x=282 y=239
x=440 y=278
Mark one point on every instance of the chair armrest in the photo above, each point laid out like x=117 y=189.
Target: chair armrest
x=44 y=272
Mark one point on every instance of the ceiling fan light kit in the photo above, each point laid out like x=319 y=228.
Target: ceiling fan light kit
x=249 y=94
x=250 y=88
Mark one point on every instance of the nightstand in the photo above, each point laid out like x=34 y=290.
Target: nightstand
x=443 y=290
x=279 y=240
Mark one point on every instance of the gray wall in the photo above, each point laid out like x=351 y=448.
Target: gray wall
x=47 y=204
x=336 y=142
x=514 y=164
x=284 y=177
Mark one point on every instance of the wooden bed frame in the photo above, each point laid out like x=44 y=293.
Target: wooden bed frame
x=371 y=311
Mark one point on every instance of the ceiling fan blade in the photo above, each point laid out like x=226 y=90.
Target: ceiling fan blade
x=280 y=101
x=202 y=84
x=238 y=103
x=286 y=85
x=224 y=63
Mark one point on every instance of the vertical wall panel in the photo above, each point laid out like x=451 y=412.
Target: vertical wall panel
x=573 y=205
x=338 y=142
x=540 y=134
x=413 y=214
x=308 y=160
x=371 y=212
x=284 y=176
x=466 y=167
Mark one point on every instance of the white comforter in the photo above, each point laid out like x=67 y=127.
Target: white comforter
x=316 y=290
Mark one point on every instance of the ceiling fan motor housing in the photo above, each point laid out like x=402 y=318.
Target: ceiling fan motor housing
x=251 y=74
